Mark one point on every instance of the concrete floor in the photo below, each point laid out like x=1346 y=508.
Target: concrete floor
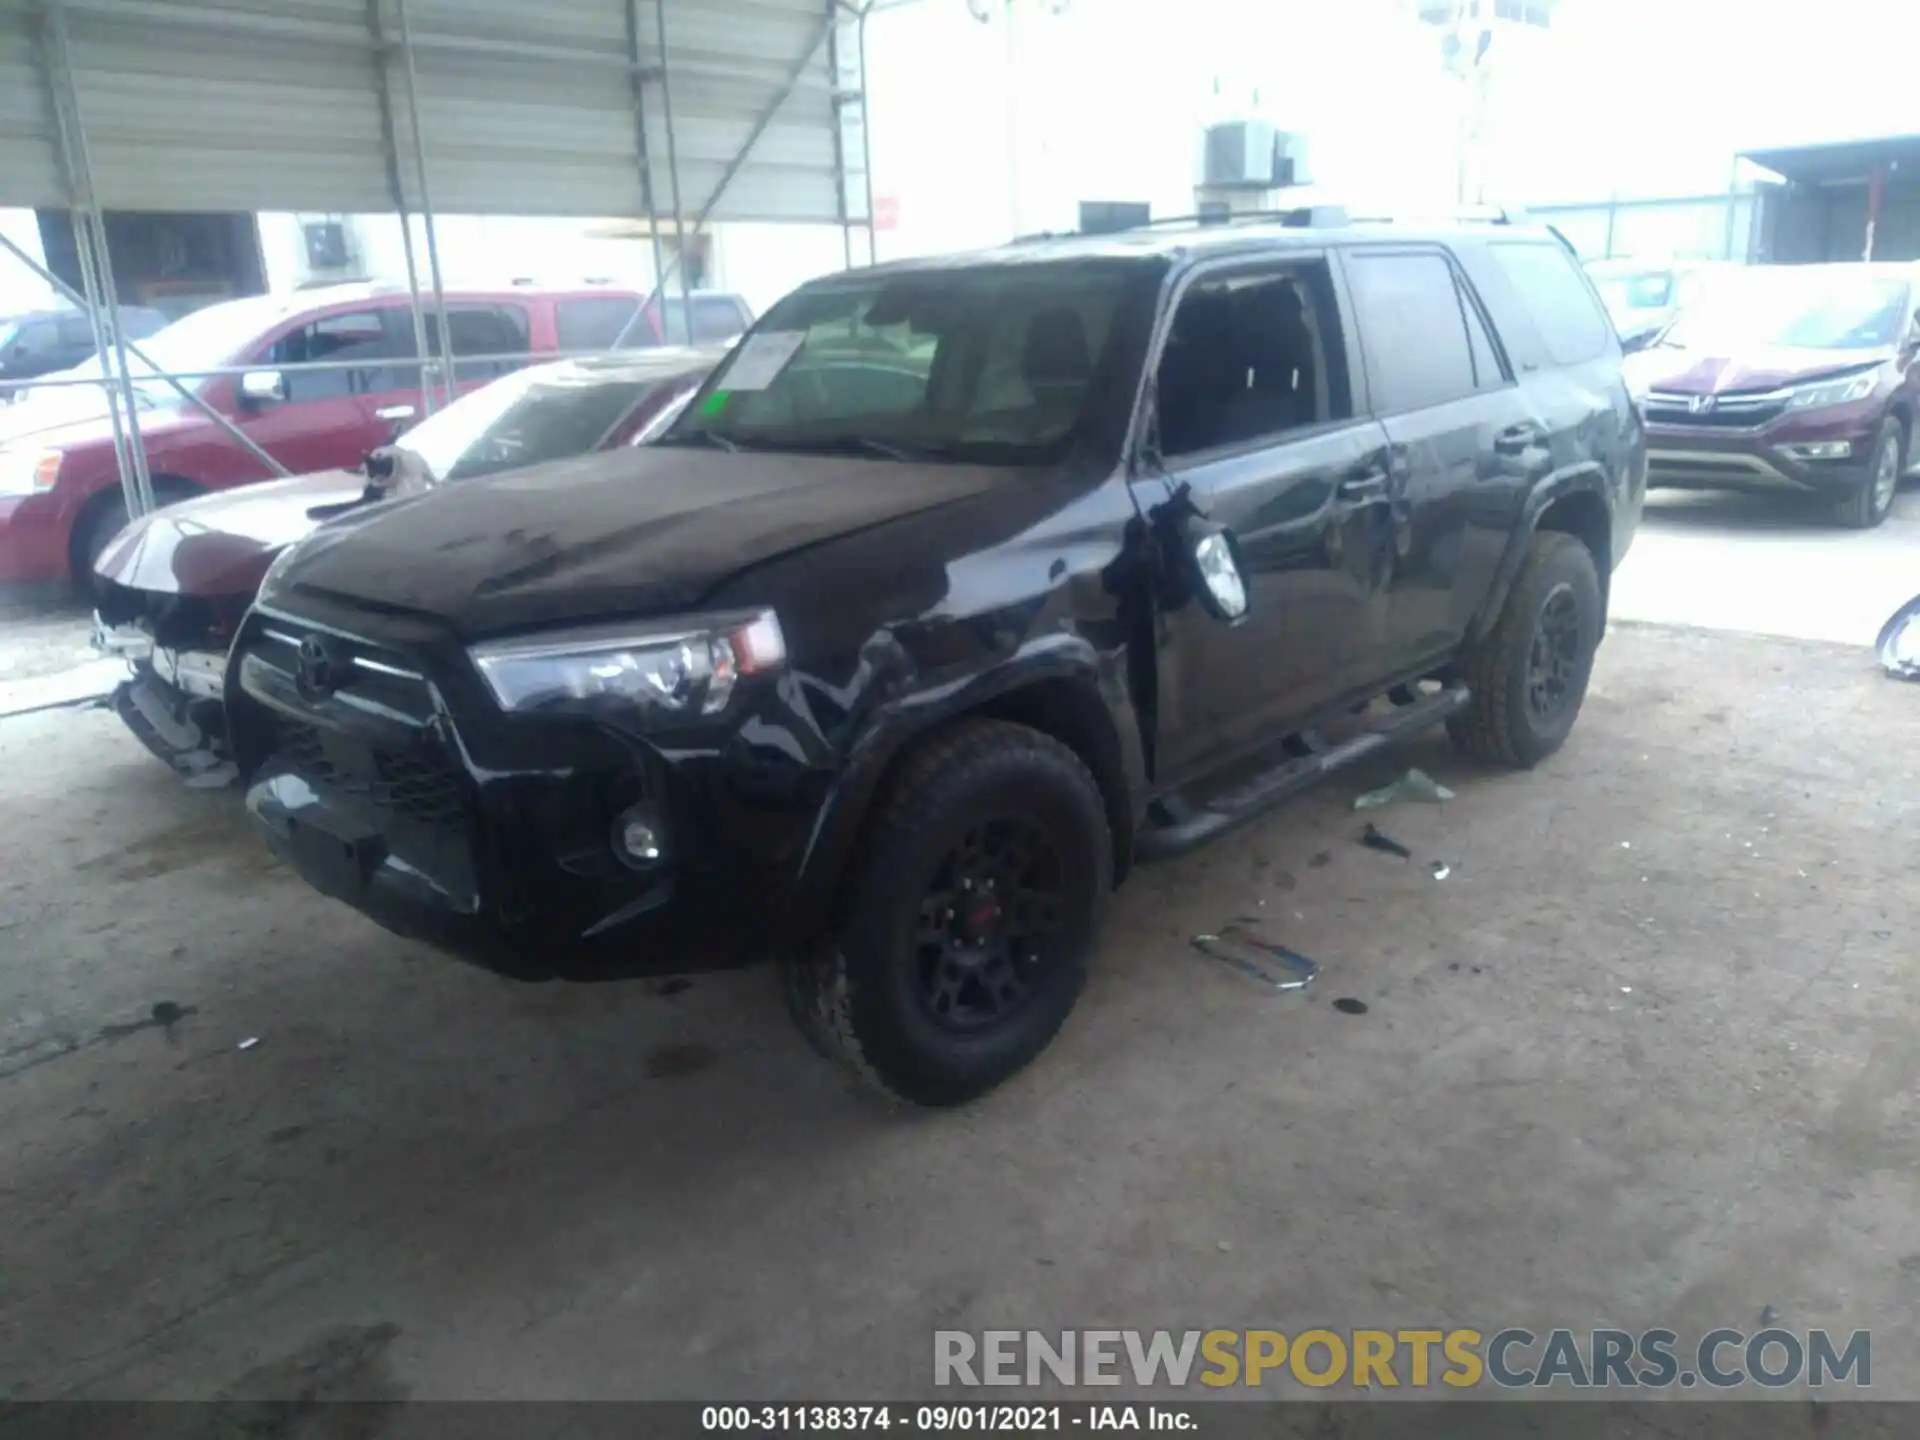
x=1647 y=1057
x=1769 y=565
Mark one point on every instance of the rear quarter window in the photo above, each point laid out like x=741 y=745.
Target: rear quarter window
x=1555 y=295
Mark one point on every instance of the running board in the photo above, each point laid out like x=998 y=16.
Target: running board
x=1187 y=825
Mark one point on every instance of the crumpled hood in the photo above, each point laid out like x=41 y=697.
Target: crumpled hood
x=1702 y=372
x=221 y=544
x=628 y=532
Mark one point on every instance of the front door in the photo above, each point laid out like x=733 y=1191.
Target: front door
x=1257 y=420
x=326 y=421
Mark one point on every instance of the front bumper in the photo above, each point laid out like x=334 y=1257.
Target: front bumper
x=405 y=792
x=1794 y=453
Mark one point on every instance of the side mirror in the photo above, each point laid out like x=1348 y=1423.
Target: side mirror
x=263 y=387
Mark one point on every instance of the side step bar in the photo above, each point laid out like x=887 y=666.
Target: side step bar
x=1187 y=825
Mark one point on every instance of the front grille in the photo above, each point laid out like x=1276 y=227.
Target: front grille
x=1727 y=412
x=421 y=786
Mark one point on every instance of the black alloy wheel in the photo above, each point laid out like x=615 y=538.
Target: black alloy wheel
x=1556 y=664
x=988 y=923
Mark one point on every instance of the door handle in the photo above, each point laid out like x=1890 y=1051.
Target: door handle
x=1363 y=485
x=1516 y=438
x=394 y=412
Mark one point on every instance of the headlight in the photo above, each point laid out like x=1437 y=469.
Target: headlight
x=672 y=668
x=28 y=472
x=1834 y=392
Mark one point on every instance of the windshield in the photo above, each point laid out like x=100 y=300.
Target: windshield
x=1814 y=309
x=1625 y=295
x=996 y=366
x=549 y=413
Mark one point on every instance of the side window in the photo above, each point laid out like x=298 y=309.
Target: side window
x=1488 y=373
x=1411 y=322
x=495 y=331
x=715 y=318
x=1252 y=356
x=1571 y=323
x=595 y=322
x=37 y=337
x=356 y=336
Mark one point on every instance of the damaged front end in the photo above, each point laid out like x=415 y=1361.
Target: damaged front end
x=175 y=647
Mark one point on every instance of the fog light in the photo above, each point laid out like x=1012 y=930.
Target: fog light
x=1821 y=450
x=638 y=839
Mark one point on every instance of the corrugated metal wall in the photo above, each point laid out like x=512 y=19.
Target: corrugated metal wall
x=1701 y=227
x=525 y=108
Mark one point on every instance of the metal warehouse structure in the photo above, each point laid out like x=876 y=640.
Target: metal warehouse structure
x=679 y=112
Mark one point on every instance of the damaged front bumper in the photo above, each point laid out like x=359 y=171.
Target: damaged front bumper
x=171 y=700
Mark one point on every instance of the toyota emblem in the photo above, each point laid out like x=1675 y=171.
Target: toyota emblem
x=319 y=670
x=1700 y=405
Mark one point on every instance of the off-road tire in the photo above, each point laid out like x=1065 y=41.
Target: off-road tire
x=851 y=993
x=1499 y=724
x=1864 y=509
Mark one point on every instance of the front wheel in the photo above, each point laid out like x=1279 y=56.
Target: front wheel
x=975 y=906
x=1528 y=676
x=1872 y=502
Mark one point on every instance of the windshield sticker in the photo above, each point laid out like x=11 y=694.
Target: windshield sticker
x=759 y=362
x=715 y=403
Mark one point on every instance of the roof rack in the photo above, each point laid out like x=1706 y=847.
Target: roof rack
x=1312 y=217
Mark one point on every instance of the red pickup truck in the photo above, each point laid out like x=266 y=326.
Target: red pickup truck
x=60 y=496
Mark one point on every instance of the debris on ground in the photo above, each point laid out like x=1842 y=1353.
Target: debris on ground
x=1440 y=869
x=214 y=777
x=1239 y=947
x=1321 y=859
x=1374 y=839
x=1414 y=785
x=249 y=1042
x=1347 y=1005
x=1899 y=642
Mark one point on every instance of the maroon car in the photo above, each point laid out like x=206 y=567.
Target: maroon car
x=176 y=583
x=1797 y=379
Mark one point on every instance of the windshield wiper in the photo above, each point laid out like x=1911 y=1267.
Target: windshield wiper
x=703 y=437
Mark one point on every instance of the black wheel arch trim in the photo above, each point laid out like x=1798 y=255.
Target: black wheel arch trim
x=1098 y=681
x=1583 y=479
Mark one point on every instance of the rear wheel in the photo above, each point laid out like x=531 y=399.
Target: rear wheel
x=977 y=900
x=1871 y=503
x=1529 y=674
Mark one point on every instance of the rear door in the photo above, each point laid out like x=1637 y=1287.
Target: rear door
x=1464 y=443
x=1257 y=413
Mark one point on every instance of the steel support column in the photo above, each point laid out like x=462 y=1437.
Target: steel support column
x=96 y=262
x=835 y=107
x=673 y=177
x=390 y=152
x=426 y=204
x=733 y=168
x=866 y=138
x=649 y=196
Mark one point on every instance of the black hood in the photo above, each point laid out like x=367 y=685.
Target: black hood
x=630 y=532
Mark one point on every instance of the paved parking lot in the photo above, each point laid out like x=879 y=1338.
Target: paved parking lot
x=1646 y=1056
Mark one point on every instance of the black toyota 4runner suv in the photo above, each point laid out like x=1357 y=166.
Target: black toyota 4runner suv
x=962 y=586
